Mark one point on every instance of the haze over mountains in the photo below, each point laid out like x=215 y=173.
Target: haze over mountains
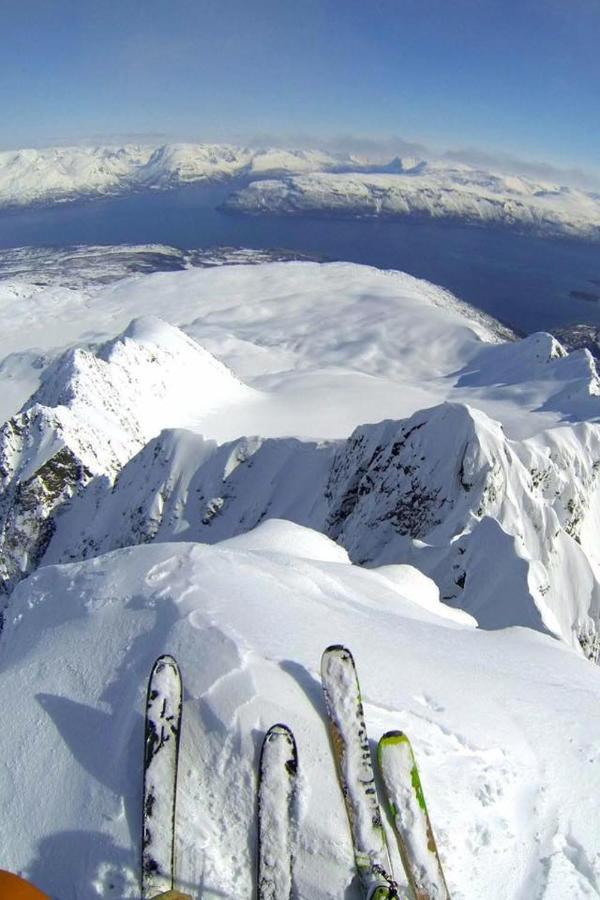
x=303 y=182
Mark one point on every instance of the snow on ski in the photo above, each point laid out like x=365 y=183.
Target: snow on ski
x=355 y=771
x=162 y=730
x=276 y=790
x=409 y=814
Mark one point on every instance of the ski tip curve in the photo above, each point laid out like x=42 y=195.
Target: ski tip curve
x=336 y=653
x=275 y=734
x=280 y=729
x=337 y=650
x=165 y=661
x=393 y=737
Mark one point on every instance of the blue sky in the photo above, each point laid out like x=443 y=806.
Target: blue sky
x=519 y=77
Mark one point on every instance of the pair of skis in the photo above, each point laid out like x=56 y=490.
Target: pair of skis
x=277 y=780
x=404 y=793
x=277 y=786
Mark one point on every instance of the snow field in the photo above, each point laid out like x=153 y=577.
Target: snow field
x=492 y=489
x=487 y=713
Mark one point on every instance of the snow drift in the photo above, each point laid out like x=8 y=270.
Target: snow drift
x=248 y=627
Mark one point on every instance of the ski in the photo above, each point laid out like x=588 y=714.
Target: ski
x=276 y=791
x=161 y=750
x=354 y=767
x=410 y=818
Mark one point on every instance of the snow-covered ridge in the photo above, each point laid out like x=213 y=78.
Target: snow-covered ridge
x=91 y=414
x=430 y=190
x=140 y=438
x=441 y=491
x=303 y=182
x=85 y=471
x=56 y=174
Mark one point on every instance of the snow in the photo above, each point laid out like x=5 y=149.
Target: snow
x=500 y=721
x=431 y=190
x=136 y=438
x=240 y=465
x=58 y=174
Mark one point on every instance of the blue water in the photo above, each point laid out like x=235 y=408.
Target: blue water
x=524 y=281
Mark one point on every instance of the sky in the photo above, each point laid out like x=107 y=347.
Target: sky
x=512 y=78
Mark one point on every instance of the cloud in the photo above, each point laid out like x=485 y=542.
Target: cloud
x=375 y=148
x=382 y=149
x=379 y=149
x=514 y=165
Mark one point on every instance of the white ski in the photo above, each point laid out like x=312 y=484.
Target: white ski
x=161 y=751
x=355 y=772
x=276 y=791
x=409 y=814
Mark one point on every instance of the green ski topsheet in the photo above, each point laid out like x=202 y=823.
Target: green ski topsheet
x=409 y=814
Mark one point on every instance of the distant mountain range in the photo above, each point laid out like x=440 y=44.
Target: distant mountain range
x=431 y=191
x=304 y=183
x=57 y=174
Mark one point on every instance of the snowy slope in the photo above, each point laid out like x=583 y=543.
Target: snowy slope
x=506 y=459
x=91 y=414
x=438 y=490
x=248 y=624
x=191 y=447
x=429 y=190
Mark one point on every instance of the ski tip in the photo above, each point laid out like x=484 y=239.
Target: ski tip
x=394 y=737
x=166 y=661
x=279 y=730
x=338 y=650
x=281 y=733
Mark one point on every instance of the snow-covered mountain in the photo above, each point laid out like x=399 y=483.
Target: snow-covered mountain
x=242 y=464
x=91 y=463
x=91 y=414
x=304 y=182
x=428 y=190
x=56 y=174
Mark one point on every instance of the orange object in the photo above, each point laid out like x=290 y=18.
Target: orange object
x=14 y=888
